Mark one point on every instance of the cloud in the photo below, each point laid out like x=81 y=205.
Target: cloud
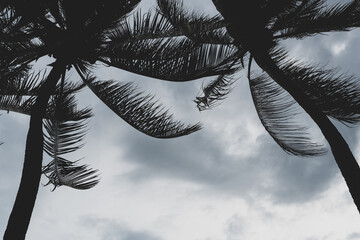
x=354 y=236
x=202 y=158
x=111 y=230
x=235 y=227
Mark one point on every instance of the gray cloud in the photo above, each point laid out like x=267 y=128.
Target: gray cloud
x=353 y=236
x=201 y=158
x=235 y=228
x=111 y=230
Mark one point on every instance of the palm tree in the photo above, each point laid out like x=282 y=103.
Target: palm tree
x=255 y=29
x=169 y=44
x=76 y=35
x=321 y=93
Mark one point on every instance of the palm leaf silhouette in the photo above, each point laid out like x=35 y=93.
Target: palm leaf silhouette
x=63 y=138
x=139 y=111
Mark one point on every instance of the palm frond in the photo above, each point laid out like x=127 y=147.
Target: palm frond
x=214 y=92
x=15 y=59
x=24 y=104
x=198 y=27
x=172 y=59
x=277 y=110
x=19 y=52
x=16 y=104
x=19 y=94
x=9 y=22
x=139 y=111
x=63 y=172
x=68 y=110
x=274 y=9
x=219 y=88
x=56 y=13
x=151 y=25
x=9 y=74
x=155 y=25
x=23 y=86
x=337 y=95
x=96 y=15
x=313 y=18
x=291 y=10
x=64 y=137
x=21 y=82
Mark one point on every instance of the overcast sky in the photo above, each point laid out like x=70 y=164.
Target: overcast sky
x=229 y=181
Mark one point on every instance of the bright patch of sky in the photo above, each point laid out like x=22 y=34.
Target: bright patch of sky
x=337 y=48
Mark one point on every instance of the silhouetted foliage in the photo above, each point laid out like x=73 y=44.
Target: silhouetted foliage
x=171 y=44
x=76 y=35
x=254 y=31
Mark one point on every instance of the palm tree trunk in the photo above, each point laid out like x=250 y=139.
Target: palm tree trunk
x=25 y=199
x=343 y=156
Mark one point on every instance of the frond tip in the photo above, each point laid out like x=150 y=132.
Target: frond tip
x=214 y=92
x=63 y=172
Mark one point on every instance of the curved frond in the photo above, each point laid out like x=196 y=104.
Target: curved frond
x=14 y=60
x=19 y=93
x=16 y=104
x=68 y=110
x=63 y=137
x=276 y=110
x=23 y=105
x=139 y=111
x=172 y=59
x=17 y=53
x=292 y=10
x=9 y=75
x=13 y=28
x=312 y=17
x=95 y=15
x=279 y=8
x=337 y=95
x=62 y=172
x=151 y=25
x=157 y=25
x=214 y=92
x=219 y=88
x=198 y=27
x=24 y=85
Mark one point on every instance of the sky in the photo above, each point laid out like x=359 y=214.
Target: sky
x=229 y=181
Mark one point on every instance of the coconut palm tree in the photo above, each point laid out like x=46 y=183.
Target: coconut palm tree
x=75 y=35
x=256 y=28
x=169 y=44
x=323 y=94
